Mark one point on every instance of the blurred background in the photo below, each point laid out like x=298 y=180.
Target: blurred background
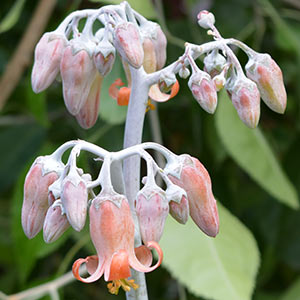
x=32 y=125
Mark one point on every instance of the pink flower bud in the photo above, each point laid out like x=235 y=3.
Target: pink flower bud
x=246 y=100
x=78 y=72
x=206 y=19
x=152 y=208
x=127 y=41
x=104 y=63
x=160 y=47
x=88 y=114
x=35 y=202
x=180 y=211
x=149 y=62
x=47 y=56
x=204 y=91
x=195 y=180
x=74 y=199
x=56 y=223
x=264 y=71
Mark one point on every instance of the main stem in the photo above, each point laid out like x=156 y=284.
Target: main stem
x=133 y=135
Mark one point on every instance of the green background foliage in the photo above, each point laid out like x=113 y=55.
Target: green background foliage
x=255 y=173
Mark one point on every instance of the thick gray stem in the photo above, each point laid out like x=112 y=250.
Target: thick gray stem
x=133 y=136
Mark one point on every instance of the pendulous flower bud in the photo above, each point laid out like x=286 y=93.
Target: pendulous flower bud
x=214 y=63
x=264 y=71
x=74 y=198
x=149 y=62
x=104 y=57
x=180 y=211
x=78 y=72
x=88 y=114
x=127 y=41
x=206 y=19
x=152 y=208
x=35 y=201
x=55 y=224
x=47 y=56
x=204 y=91
x=195 y=180
x=246 y=100
x=160 y=47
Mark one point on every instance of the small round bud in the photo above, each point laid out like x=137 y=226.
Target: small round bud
x=214 y=63
x=206 y=19
x=184 y=72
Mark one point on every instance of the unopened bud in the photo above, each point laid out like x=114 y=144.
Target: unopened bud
x=180 y=211
x=246 y=100
x=204 y=91
x=127 y=41
x=78 y=72
x=184 y=72
x=56 y=223
x=149 y=62
x=88 y=114
x=264 y=71
x=104 y=57
x=219 y=82
x=206 y=19
x=47 y=56
x=74 y=199
x=152 y=209
x=214 y=63
x=160 y=47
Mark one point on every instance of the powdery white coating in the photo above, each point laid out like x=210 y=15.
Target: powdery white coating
x=77 y=72
x=55 y=224
x=264 y=71
x=35 y=201
x=127 y=41
x=88 y=114
x=47 y=57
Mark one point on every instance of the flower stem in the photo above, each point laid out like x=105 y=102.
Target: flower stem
x=133 y=135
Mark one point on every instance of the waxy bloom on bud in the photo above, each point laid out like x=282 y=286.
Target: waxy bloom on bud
x=264 y=71
x=206 y=19
x=47 y=56
x=55 y=224
x=160 y=47
x=104 y=57
x=180 y=211
x=204 y=91
x=246 y=100
x=112 y=233
x=149 y=62
x=127 y=41
x=77 y=72
x=74 y=198
x=214 y=63
x=35 y=202
x=152 y=209
x=88 y=114
x=195 y=180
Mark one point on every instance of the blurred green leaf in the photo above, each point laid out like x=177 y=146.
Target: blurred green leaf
x=249 y=148
x=144 y=7
x=110 y=111
x=12 y=16
x=221 y=268
x=293 y=292
x=27 y=252
x=18 y=143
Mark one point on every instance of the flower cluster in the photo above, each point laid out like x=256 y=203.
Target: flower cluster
x=58 y=195
x=83 y=59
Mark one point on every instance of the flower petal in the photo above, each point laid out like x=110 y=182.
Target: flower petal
x=144 y=255
x=113 y=90
x=157 y=95
x=119 y=267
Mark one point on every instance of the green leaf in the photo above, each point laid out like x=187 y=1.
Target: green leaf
x=293 y=293
x=110 y=111
x=144 y=7
x=249 y=148
x=221 y=268
x=12 y=16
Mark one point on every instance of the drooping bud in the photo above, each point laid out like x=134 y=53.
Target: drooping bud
x=149 y=62
x=206 y=19
x=74 y=199
x=56 y=223
x=195 y=180
x=47 y=56
x=160 y=47
x=264 y=71
x=204 y=91
x=127 y=41
x=214 y=63
x=35 y=203
x=246 y=100
x=78 y=72
x=152 y=209
x=219 y=81
x=184 y=72
x=104 y=57
x=88 y=114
